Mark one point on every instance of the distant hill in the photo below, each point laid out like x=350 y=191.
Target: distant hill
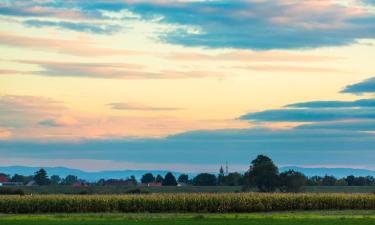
x=89 y=176
x=337 y=172
x=122 y=174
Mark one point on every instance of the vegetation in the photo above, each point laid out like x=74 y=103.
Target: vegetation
x=263 y=175
x=169 y=180
x=286 y=218
x=184 y=203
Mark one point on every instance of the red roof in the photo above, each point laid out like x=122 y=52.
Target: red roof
x=154 y=184
x=3 y=179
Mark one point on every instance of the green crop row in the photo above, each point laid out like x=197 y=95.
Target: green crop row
x=194 y=203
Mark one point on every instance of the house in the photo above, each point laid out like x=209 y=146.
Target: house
x=31 y=183
x=181 y=184
x=11 y=184
x=3 y=179
x=154 y=184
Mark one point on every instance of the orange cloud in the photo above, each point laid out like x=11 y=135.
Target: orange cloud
x=73 y=47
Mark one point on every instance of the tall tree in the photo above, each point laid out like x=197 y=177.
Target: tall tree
x=41 y=178
x=205 y=179
x=169 y=180
x=69 y=180
x=292 y=181
x=183 y=178
x=147 y=178
x=264 y=173
x=55 y=179
x=159 y=178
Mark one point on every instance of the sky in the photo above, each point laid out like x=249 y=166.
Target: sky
x=187 y=85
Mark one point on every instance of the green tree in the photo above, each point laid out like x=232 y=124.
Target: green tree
x=41 y=178
x=21 y=178
x=55 y=179
x=234 y=179
x=183 y=178
x=292 y=181
x=205 y=179
x=147 y=178
x=159 y=178
x=169 y=180
x=329 y=180
x=264 y=174
x=132 y=178
x=69 y=180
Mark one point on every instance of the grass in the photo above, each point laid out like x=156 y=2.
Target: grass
x=289 y=218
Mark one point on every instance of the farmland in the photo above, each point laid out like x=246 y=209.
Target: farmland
x=285 y=218
x=184 y=203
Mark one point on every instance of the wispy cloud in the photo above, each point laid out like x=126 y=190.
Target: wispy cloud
x=73 y=47
x=112 y=71
x=260 y=25
x=334 y=104
x=83 y=27
x=139 y=107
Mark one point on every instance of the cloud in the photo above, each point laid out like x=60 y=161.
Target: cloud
x=60 y=122
x=82 y=27
x=309 y=115
x=260 y=25
x=290 y=69
x=139 y=107
x=366 y=86
x=334 y=104
x=251 y=56
x=358 y=125
x=81 y=47
x=13 y=109
x=112 y=71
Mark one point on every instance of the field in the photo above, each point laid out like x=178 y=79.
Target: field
x=287 y=218
x=184 y=203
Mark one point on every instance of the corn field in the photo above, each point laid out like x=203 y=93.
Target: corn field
x=189 y=203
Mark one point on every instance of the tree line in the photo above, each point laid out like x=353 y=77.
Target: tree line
x=262 y=175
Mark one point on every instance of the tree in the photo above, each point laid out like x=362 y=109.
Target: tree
x=69 y=180
x=350 y=180
x=132 y=178
x=264 y=173
x=21 y=178
x=147 y=178
x=292 y=181
x=55 y=179
x=41 y=178
x=205 y=179
x=315 y=181
x=183 y=178
x=233 y=179
x=159 y=178
x=329 y=180
x=169 y=180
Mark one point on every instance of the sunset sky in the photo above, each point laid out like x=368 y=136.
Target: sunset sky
x=187 y=85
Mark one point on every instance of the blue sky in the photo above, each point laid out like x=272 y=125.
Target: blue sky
x=187 y=85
